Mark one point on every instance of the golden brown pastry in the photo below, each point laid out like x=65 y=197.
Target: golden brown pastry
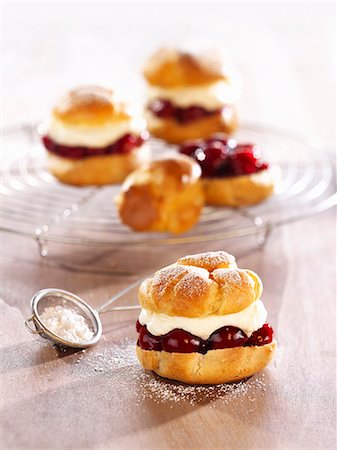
x=190 y=94
x=240 y=190
x=232 y=174
x=163 y=195
x=203 y=322
x=93 y=139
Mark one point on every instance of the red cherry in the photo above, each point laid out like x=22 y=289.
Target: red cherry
x=189 y=114
x=125 y=144
x=215 y=155
x=161 y=108
x=248 y=148
x=219 y=157
x=263 y=166
x=139 y=326
x=227 y=337
x=47 y=142
x=246 y=159
x=147 y=341
x=180 y=341
x=262 y=336
x=190 y=147
x=165 y=110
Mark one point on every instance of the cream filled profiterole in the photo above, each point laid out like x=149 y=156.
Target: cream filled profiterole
x=92 y=138
x=191 y=93
x=203 y=321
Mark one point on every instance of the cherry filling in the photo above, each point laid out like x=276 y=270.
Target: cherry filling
x=180 y=341
x=227 y=337
x=262 y=336
x=221 y=157
x=125 y=144
x=149 y=342
x=164 y=109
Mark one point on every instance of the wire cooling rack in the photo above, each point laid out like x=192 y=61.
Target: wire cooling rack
x=36 y=205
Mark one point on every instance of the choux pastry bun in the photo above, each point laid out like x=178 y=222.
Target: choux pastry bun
x=191 y=94
x=203 y=321
x=163 y=195
x=93 y=139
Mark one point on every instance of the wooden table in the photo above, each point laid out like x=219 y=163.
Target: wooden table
x=101 y=398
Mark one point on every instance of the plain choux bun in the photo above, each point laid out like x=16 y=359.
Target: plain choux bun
x=90 y=106
x=240 y=190
x=176 y=133
x=163 y=195
x=214 y=367
x=199 y=286
x=173 y=67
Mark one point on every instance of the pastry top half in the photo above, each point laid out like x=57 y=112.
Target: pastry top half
x=90 y=106
x=176 y=68
x=199 y=286
x=92 y=116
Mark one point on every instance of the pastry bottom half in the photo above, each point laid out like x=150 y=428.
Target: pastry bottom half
x=215 y=367
x=96 y=170
x=240 y=190
x=176 y=133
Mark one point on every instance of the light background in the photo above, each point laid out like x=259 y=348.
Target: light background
x=285 y=52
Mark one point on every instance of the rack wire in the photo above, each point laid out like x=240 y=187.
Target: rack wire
x=36 y=205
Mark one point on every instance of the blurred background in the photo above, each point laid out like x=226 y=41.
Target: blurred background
x=285 y=53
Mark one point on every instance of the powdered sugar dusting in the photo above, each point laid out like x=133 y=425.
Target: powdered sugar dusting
x=192 y=287
x=233 y=276
x=166 y=278
x=231 y=279
x=119 y=362
x=209 y=260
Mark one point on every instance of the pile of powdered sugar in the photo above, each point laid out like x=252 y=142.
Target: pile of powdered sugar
x=120 y=362
x=67 y=324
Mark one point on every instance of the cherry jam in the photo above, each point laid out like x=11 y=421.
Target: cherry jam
x=164 y=109
x=221 y=157
x=180 y=341
x=124 y=145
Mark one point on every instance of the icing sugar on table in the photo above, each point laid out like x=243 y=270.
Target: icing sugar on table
x=119 y=360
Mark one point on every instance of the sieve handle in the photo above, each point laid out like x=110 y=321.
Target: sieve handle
x=32 y=330
x=121 y=308
x=102 y=309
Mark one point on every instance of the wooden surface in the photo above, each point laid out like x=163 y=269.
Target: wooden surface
x=101 y=398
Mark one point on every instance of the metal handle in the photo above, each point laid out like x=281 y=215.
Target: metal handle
x=32 y=330
x=102 y=309
x=120 y=308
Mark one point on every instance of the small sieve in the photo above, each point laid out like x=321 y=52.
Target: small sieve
x=57 y=297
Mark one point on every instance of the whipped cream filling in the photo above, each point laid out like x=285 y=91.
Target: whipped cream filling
x=212 y=96
x=92 y=136
x=248 y=320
